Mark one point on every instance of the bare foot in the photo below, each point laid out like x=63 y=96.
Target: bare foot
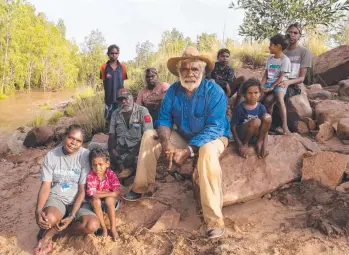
x=114 y=234
x=286 y=131
x=105 y=232
x=259 y=147
x=243 y=151
x=43 y=247
x=264 y=152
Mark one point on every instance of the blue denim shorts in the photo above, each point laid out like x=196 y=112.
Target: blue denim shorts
x=277 y=89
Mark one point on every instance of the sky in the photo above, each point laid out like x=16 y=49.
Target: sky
x=127 y=22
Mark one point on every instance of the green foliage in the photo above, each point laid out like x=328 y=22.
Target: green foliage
x=45 y=107
x=317 y=42
x=342 y=35
x=56 y=116
x=69 y=110
x=33 y=51
x=3 y=97
x=92 y=57
x=89 y=113
x=264 y=18
x=85 y=93
x=247 y=54
x=39 y=120
x=173 y=44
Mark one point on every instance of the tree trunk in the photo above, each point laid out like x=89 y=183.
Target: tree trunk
x=5 y=58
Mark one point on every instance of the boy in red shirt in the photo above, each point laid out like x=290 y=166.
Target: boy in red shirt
x=103 y=189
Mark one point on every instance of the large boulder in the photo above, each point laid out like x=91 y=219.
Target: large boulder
x=168 y=220
x=334 y=145
x=343 y=129
x=326 y=132
x=4 y=148
x=99 y=140
x=246 y=179
x=326 y=167
x=39 y=136
x=315 y=91
x=331 y=111
x=132 y=216
x=322 y=95
x=332 y=66
x=343 y=90
x=298 y=107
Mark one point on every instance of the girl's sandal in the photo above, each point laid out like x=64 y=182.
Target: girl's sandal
x=42 y=249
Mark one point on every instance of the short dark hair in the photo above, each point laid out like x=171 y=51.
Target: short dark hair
x=73 y=127
x=281 y=40
x=296 y=25
x=252 y=82
x=98 y=152
x=113 y=46
x=222 y=51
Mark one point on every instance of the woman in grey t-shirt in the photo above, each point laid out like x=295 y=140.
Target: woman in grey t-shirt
x=62 y=191
x=300 y=57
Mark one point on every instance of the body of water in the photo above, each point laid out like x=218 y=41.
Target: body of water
x=21 y=108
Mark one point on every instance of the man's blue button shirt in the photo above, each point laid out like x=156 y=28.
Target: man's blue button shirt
x=200 y=118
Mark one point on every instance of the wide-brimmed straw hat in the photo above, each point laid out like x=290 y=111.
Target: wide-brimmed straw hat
x=189 y=53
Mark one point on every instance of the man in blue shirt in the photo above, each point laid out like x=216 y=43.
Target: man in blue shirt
x=197 y=107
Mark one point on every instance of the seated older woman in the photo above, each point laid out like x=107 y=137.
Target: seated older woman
x=62 y=192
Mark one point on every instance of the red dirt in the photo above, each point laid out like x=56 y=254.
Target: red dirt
x=261 y=226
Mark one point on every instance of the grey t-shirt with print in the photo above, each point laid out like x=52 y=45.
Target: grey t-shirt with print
x=65 y=172
x=276 y=65
x=300 y=57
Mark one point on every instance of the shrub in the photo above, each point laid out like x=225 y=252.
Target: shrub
x=89 y=113
x=56 y=116
x=3 y=97
x=246 y=54
x=45 y=107
x=39 y=120
x=317 y=42
x=69 y=110
x=86 y=92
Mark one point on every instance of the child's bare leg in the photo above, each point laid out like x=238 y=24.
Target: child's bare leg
x=262 y=142
x=269 y=102
x=110 y=202
x=96 y=204
x=251 y=129
x=283 y=114
x=54 y=216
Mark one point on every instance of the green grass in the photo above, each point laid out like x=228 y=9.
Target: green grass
x=3 y=97
x=39 y=120
x=69 y=110
x=89 y=113
x=87 y=92
x=45 y=107
x=56 y=116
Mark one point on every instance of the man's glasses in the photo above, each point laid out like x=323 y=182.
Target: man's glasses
x=114 y=53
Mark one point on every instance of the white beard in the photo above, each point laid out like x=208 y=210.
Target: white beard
x=190 y=85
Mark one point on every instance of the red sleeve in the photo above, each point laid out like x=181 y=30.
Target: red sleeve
x=124 y=69
x=113 y=181
x=91 y=185
x=102 y=72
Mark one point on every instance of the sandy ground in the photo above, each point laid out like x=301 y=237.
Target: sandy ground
x=276 y=224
